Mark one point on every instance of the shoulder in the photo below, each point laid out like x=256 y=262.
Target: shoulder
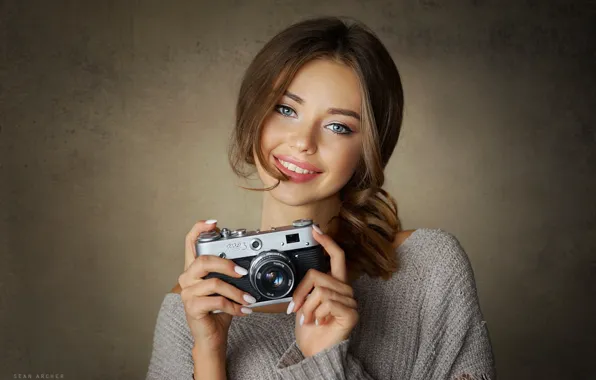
x=171 y=315
x=433 y=261
x=433 y=251
x=401 y=236
x=436 y=277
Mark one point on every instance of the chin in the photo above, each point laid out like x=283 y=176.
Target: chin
x=299 y=194
x=293 y=198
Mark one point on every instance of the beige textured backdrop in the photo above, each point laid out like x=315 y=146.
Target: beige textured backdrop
x=114 y=122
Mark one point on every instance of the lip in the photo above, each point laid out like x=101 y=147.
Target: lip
x=294 y=177
x=303 y=165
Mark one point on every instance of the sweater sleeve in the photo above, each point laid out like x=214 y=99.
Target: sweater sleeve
x=454 y=341
x=334 y=363
x=171 y=357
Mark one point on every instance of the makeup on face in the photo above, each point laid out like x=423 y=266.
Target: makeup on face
x=314 y=129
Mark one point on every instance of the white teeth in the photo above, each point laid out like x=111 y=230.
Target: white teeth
x=295 y=168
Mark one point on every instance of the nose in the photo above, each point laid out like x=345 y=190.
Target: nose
x=303 y=140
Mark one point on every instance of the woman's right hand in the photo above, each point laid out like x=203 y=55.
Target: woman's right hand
x=210 y=331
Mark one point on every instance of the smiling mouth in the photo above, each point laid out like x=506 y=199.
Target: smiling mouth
x=296 y=169
x=290 y=166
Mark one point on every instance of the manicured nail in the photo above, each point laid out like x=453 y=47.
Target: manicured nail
x=301 y=319
x=246 y=310
x=317 y=321
x=240 y=270
x=316 y=228
x=211 y=221
x=248 y=298
x=290 y=307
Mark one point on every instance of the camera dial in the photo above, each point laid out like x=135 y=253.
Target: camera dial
x=302 y=222
x=209 y=236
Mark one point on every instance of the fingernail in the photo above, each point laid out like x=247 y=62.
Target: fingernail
x=246 y=310
x=301 y=319
x=211 y=221
x=240 y=270
x=248 y=298
x=290 y=307
x=317 y=321
x=316 y=228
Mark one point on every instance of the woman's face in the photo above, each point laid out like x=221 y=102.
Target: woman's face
x=313 y=134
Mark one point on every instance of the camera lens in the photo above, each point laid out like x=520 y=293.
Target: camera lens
x=274 y=278
x=272 y=274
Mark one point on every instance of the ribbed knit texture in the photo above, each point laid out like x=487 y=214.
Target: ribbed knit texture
x=423 y=323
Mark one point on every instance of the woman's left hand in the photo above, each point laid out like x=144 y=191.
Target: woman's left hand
x=326 y=316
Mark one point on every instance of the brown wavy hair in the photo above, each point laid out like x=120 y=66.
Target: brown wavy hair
x=367 y=223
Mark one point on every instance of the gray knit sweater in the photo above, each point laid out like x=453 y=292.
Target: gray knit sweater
x=423 y=323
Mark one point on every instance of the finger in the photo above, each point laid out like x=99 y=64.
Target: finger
x=337 y=257
x=342 y=314
x=190 y=251
x=313 y=279
x=220 y=287
x=318 y=297
x=320 y=321
x=205 y=264
x=198 y=307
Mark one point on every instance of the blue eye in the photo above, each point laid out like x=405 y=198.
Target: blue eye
x=339 y=129
x=284 y=110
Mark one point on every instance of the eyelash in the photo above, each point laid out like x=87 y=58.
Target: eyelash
x=348 y=131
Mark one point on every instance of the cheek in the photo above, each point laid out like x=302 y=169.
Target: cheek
x=343 y=161
x=270 y=138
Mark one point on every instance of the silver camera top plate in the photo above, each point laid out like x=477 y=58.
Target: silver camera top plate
x=240 y=243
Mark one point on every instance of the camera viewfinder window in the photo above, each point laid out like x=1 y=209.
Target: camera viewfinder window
x=292 y=238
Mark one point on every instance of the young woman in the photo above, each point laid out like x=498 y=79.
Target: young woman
x=319 y=115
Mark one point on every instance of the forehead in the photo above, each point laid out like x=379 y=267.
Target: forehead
x=325 y=81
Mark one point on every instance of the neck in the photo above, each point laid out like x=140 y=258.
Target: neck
x=277 y=214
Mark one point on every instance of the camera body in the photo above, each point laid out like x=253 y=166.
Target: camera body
x=276 y=259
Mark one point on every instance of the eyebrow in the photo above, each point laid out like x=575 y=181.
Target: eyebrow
x=332 y=111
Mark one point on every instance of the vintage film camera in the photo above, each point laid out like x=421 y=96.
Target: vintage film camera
x=276 y=259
